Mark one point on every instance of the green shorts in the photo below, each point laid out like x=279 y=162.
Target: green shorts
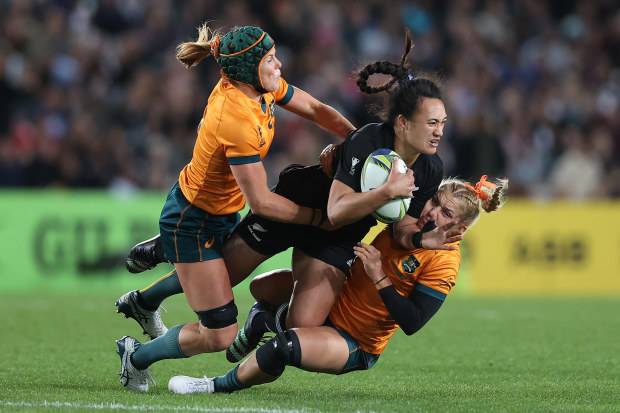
x=358 y=358
x=191 y=234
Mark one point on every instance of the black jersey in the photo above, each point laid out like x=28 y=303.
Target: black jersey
x=304 y=185
x=427 y=169
x=309 y=186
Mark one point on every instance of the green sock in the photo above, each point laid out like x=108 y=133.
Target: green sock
x=164 y=347
x=152 y=296
x=229 y=382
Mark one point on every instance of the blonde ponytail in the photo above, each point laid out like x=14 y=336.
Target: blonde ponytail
x=191 y=53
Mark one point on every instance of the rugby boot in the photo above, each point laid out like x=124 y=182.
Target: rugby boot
x=150 y=321
x=251 y=334
x=132 y=378
x=189 y=385
x=145 y=255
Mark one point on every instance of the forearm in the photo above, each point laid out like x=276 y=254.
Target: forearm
x=404 y=231
x=281 y=209
x=410 y=314
x=332 y=121
x=356 y=205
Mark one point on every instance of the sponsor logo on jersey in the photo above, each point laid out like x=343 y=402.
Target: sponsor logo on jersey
x=447 y=283
x=210 y=242
x=354 y=162
x=261 y=140
x=350 y=262
x=271 y=113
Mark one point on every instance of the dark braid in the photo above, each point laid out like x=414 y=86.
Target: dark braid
x=406 y=95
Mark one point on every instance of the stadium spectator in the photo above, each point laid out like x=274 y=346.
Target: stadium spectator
x=525 y=68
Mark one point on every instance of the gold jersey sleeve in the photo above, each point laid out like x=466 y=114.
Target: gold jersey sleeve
x=360 y=311
x=234 y=130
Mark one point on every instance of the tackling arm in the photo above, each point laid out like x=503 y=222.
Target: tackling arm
x=328 y=118
x=252 y=180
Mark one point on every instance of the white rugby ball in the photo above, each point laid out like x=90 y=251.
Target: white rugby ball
x=375 y=172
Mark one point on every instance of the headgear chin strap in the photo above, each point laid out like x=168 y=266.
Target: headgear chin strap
x=240 y=53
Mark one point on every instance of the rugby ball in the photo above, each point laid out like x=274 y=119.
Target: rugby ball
x=375 y=172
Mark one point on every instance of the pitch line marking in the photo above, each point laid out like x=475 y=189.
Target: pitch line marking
x=144 y=407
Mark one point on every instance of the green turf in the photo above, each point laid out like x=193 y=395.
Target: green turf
x=476 y=355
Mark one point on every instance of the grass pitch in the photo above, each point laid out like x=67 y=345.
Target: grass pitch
x=475 y=355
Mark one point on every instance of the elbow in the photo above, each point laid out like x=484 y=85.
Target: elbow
x=334 y=217
x=260 y=208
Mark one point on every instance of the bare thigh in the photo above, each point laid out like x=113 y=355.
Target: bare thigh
x=323 y=349
x=240 y=259
x=273 y=287
x=206 y=286
x=316 y=288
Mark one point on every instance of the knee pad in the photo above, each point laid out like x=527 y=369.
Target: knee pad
x=281 y=351
x=219 y=317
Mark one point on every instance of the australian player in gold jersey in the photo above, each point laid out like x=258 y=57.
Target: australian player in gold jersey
x=388 y=288
x=226 y=170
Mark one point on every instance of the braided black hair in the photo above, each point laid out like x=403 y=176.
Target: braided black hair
x=405 y=91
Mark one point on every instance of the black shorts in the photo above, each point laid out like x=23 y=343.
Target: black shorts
x=269 y=238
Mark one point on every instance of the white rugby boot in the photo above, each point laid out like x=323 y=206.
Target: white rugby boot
x=132 y=378
x=150 y=321
x=188 y=385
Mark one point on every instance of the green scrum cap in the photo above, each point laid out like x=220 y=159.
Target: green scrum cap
x=240 y=53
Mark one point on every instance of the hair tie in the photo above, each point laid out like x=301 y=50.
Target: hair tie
x=409 y=77
x=215 y=47
x=478 y=189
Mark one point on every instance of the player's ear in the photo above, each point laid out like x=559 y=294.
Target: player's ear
x=402 y=121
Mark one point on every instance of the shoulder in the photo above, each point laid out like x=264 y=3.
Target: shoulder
x=284 y=94
x=429 y=168
x=432 y=162
x=371 y=131
x=370 y=137
x=446 y=260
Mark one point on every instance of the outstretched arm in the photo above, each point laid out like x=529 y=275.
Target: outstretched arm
x=328 y=118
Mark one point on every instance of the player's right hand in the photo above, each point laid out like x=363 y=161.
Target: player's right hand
x=401 y=185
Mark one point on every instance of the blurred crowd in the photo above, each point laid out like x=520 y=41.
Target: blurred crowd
x=91 y=94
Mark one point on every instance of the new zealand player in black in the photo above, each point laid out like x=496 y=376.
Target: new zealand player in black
x=412 y=126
